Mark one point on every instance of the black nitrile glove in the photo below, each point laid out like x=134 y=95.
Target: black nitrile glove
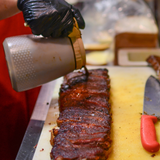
x=50 y=17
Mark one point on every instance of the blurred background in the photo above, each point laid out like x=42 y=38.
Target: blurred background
x=120 y=32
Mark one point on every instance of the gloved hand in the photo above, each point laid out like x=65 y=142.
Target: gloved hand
x=50 y=17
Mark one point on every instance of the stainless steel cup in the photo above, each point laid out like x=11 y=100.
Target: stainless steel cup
x=35 y=60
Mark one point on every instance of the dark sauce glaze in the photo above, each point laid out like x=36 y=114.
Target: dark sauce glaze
x=86 y=71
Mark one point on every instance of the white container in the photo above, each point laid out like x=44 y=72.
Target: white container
x=34 y=60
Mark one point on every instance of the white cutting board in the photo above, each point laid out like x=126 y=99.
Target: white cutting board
x=127 y=93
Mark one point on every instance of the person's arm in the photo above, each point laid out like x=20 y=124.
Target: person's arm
x=8 y=8
x=53 y=18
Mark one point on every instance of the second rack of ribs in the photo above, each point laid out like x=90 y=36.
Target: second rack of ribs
x=85 y=118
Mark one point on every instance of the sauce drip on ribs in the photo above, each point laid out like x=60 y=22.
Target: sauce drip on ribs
x=85 y=118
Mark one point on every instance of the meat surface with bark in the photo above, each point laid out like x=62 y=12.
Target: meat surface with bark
x=85 y=119
x=154 y=61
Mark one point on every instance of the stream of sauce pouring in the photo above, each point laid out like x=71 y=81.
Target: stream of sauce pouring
x=86 y=71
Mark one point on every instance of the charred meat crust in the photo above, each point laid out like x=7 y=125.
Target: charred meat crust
x=154 y=61
x=85 y=118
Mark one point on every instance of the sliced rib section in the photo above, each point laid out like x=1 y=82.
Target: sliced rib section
x=154 y=61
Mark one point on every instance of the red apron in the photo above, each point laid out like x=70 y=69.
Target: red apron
x=15 y=108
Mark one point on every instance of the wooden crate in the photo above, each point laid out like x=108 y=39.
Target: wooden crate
x=134 y=40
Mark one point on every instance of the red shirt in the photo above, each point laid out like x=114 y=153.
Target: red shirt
x=15 y=107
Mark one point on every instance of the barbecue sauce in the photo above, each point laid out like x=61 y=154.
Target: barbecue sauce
x=86 y=71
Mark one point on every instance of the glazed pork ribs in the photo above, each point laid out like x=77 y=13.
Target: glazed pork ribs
x=85 y=119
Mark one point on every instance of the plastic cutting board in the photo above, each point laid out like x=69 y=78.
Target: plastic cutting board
x=127 y=93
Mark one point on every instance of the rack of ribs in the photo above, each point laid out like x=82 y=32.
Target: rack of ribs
x=85 y=117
